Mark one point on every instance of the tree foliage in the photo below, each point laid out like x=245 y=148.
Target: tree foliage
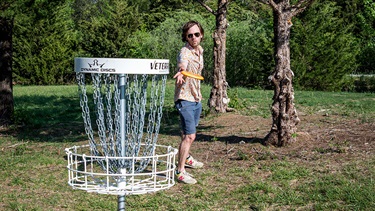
x=44 y=42
x=323 y=52
x=366 y=23
x=105 y=32
x=360 y=14
x=333 y=39
x=249 y=51
x=155 y=12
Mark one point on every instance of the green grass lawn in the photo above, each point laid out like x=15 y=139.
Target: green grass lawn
x=48 y=120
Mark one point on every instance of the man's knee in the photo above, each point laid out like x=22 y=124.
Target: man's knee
x=189 y=138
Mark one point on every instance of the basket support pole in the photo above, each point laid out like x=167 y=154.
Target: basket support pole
x=121 y=198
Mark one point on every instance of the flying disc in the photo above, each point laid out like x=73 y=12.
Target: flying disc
x=192 y=75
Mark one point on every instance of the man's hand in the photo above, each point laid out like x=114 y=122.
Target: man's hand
x=179 y=78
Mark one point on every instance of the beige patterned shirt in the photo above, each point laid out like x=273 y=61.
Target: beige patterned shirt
x=191 y=61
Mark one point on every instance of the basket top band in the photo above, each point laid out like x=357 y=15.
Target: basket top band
x=121 y=66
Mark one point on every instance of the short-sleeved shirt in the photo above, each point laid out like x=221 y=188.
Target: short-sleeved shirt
x=191 y=61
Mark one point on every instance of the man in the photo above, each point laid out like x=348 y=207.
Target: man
x=188 y=97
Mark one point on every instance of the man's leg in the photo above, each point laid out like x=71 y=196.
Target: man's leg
x=184 y=149
x=186 y=110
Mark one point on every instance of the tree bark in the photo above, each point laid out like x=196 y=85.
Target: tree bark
x=219 y=100
x=218 y=97
x=284 y=114
x=6 y=86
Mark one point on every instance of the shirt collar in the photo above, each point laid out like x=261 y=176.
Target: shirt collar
x=200 y=49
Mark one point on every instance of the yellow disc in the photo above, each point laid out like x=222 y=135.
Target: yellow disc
x=192 y=75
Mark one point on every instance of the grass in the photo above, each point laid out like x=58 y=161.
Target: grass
x=34 y=175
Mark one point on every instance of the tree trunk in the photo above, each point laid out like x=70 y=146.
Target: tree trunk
x=284 y=114
x=6 y=87
x=218 y=98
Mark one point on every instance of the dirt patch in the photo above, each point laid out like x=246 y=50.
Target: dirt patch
x=239 y=137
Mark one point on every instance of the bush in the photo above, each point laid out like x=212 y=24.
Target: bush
x=365 y=84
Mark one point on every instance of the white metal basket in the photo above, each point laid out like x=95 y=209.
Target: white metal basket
x=86 y=174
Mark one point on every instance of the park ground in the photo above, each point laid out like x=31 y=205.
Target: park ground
x=326 y=144
x=319 y=136
x=330 y=166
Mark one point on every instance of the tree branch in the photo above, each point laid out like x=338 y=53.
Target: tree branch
x=207 y=7
x=272 y=4
x=301 y=6
x=222 y=6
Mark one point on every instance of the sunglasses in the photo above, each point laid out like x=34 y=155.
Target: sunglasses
x=195 y=34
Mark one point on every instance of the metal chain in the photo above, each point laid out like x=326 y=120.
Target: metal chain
x=106 y=98
x=85 y=108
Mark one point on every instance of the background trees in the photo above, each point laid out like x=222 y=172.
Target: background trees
x=44 y=40
x=360 y=14
x=328 y=42
x=323 y=53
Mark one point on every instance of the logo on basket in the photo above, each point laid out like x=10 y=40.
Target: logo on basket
x=162 y=66
x=97 y=67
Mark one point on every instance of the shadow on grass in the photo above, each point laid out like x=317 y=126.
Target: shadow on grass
x=47 y=119
x=229 y=139
x=59 y=119
x=232 y=139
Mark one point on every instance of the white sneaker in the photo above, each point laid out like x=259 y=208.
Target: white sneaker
x=185 y=177
x=192 y=163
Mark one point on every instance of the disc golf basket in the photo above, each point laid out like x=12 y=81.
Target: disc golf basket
x=121 y=101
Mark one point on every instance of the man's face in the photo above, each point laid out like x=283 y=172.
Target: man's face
x=194 y=36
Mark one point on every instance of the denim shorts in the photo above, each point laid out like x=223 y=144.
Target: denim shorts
x=189 y=115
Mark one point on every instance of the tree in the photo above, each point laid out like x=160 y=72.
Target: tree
x=323 y=53
x=44 y=42
x=284 y=114
x=157 y=11
x=6 y=86
x=361 y=13
x=218 y=97
x=105 y=32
